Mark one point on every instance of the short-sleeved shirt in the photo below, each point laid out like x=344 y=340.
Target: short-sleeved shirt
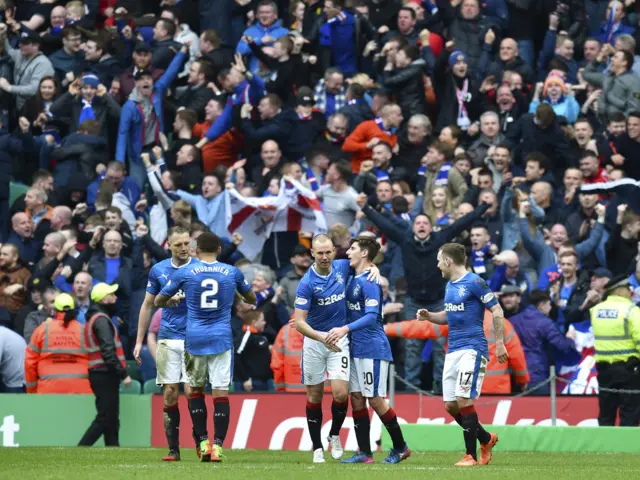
x=324 y=296
x=209 y=289
x=363 y=297
x=174 y=319
x=465 y=300
x=339 y=207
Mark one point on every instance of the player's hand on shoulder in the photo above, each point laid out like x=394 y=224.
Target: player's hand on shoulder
x=423 y=314
x=374 y=274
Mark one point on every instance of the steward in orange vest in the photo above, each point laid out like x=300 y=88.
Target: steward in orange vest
x=56 y=360
x=497 y=379
x=107 y=365
x=286 y=355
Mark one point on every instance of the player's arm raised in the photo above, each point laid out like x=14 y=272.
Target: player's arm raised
x=439 y=318
x=498 y=328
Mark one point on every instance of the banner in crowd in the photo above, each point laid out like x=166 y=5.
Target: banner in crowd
x=61 y=420
x=277 y=421
x=294 y=209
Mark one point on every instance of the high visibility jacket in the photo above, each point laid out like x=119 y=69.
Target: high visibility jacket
x=286 y=356
x=93 y=344
x=497 y=375
x=56 y=360
x=616 y=328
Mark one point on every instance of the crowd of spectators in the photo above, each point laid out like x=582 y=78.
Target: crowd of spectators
x=421 y=122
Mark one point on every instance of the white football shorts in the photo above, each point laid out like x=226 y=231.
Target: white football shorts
x=463 y=374
x=319 y=363
x=217 y=369
x=170 y=362
x=369 y=377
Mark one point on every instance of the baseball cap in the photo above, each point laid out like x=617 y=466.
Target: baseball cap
x=617 y=282
x=301 y=250
x=101 y=290
x=141 y=47
x=142 y=73
x=602 y=272
x=37 y=284
x=30 y=38
x=305 y=98
x=510 y=290
x=64 y=302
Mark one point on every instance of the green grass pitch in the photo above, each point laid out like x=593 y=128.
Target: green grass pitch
x=102 y=463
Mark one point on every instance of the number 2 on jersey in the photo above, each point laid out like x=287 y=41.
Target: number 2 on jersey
x=207 y=299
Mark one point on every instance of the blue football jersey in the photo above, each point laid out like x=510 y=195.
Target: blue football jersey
x=364 y=296
x=209 y=290
x=174 y=319
x=465 y=301
x=324 y=296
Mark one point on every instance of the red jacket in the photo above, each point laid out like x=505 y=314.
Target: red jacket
x=356 y=143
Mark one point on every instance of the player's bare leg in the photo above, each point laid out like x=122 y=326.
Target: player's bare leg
x=339 y=407
x=170 y=394
x=314 y=420
x=362 y=426
x=400 y=450
x=221 y=412
x=464 y=413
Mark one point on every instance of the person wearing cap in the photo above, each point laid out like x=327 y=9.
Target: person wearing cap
x=43 y=310
x=555 y=92
x=456 y=89
x=56 y=360
x=122 y=87
x=538 y=334
x=142 y=118
x=309 y=126
x=30 y=66
x=86 y=99
x=301 y=261
x=616 y=328
x=107 y=365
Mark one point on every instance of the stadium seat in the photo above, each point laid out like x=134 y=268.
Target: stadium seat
x=150 y=387
x=134 y=389
x=133 y=370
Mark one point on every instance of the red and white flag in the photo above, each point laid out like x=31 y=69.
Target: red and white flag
x=295 y=209
x=303 y=212
x=253 y=218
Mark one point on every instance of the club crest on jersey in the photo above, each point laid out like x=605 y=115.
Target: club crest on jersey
x=339 y=278
x=356 y=291
x=462 y=291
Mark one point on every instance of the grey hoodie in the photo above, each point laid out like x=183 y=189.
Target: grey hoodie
x=27 y=74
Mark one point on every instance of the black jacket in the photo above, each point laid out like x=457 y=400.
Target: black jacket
x=498 y=67
x=424 y=281
x=163 y=52
x=283 y=76
x=103 y=328
x=195 y=97
x=407 y=84
x=105 y=109
x=572 y=312
x=106 y=70
x=445 y=86
x=526 y=137
x=220 y=58
x=86 y=150
x=277 y=129
x=255 y=359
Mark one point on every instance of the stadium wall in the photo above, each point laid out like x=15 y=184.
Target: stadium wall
x=260 y=421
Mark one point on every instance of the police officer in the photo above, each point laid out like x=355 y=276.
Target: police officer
x=107 y=365
x=616 y=327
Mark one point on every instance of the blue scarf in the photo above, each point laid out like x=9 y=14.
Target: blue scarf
x=388 y=131
x=478 y=258
x=263 y=296
x=87 y=112
x=313 y=181
x=443 y=174
x=381 y=174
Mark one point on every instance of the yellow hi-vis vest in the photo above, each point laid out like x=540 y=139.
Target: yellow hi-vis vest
x=616 y=328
